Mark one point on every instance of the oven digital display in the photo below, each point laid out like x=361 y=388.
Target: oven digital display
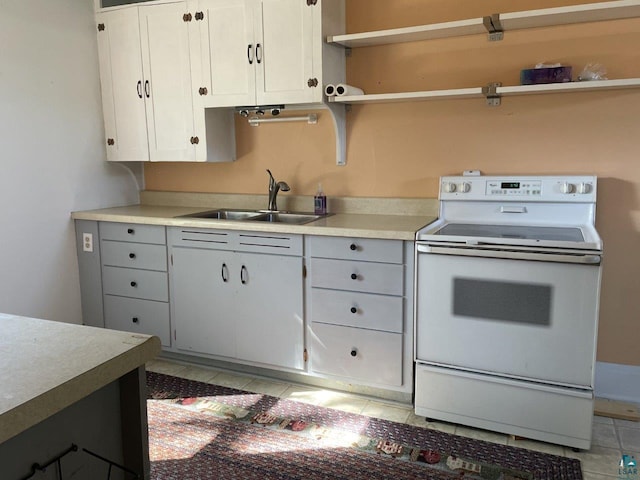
x=510 y=185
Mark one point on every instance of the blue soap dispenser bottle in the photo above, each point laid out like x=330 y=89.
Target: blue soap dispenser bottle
x=320 y=201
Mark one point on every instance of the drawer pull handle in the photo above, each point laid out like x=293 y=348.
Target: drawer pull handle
x=354 y=310
x=225 y=273
x=134 y=319
x=130 y=231
x=134 y=284
x=132 y=255
x=354 y=352
x=354 y=276
x=353 y=247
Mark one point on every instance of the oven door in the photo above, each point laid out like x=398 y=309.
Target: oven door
x=529 y=315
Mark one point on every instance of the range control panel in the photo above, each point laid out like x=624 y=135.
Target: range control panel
x=520 y=188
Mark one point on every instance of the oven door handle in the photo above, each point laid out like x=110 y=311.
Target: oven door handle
x=588 y=259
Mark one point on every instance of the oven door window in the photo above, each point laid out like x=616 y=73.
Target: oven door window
x=526 y=303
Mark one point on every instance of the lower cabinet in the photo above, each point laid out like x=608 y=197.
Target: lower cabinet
x=329 y=307
x=237 y=296
x=135 y=282
x=359 y=311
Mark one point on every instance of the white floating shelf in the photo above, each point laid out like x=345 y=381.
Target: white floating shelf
x=410 y=96
x=569 y=87
x=410 y=34
x=477 y=92
x=592 y=12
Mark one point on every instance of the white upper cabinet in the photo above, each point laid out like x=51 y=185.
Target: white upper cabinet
x=122 y=84
x=262 y=52
x=147 y=90
x=167 y=82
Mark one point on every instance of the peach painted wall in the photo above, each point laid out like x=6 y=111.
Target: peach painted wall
x=400 y=150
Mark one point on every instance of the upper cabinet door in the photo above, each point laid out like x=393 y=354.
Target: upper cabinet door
x=122 y=85
x=285 y=53
x=223 y=48
x=164 y=36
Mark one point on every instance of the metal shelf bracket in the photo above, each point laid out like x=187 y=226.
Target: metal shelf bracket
x=491 y=94
x=494 y=27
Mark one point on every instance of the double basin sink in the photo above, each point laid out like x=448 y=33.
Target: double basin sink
x=292 y=218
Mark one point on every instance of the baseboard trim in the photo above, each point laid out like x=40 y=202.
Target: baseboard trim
x=617 y=382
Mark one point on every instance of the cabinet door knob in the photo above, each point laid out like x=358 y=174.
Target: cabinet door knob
x=353 y=247
x=354 y=310
x=111 y=141
x=354 y=276
x=130 y=231
x=134 y=284
x=258 y=53
x=134 y=319
x=194 y=140
x=203 y=90
x=354 y=352
x=147 y=90
x=132 y=255
x=139 y=88
x=199 y=16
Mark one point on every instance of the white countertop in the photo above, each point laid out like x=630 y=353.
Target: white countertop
x=385 y=226
x=46 y=366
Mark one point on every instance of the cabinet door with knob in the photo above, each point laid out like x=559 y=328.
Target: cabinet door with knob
x=256 y=52
x=146 y=83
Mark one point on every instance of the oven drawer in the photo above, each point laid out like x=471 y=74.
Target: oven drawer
x=537 y=411
x=134 y=255
x=363 y=355
x=133 y=232
x=129 y=282
x=365 y=249
x=138 y=316
x=355 y=309
x=369 y=277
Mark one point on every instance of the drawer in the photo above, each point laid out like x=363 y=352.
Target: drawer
x=133 y=232
x=553 y=414
x=355 y=309
x=134 y=255
x=138 y=316
x=363 y=355
x=368 y=277
x=129 y=282
x=365 y=249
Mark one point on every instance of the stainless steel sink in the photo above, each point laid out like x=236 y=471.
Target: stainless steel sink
x=290 y=218
x=225 y=214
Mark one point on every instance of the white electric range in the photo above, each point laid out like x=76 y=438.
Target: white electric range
x=507 y=298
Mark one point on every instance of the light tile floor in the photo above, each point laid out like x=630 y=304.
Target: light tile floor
x=611 y=437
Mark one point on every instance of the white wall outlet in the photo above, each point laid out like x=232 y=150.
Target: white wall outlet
x=87 y=242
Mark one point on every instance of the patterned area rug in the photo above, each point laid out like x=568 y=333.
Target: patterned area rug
x=203 y=431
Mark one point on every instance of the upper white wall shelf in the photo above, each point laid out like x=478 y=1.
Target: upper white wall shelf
x=490 y=94
x=592 y=12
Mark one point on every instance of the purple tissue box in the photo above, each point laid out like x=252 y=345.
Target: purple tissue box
x=534 y=76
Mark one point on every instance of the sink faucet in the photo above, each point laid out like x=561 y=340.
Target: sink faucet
x=274 y=188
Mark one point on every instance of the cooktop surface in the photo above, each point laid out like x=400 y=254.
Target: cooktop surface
x=523 y=232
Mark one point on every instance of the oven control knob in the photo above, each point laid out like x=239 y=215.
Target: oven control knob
x=464 y=187
x=449 y=187
x=566 y=187
x=584 y=187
